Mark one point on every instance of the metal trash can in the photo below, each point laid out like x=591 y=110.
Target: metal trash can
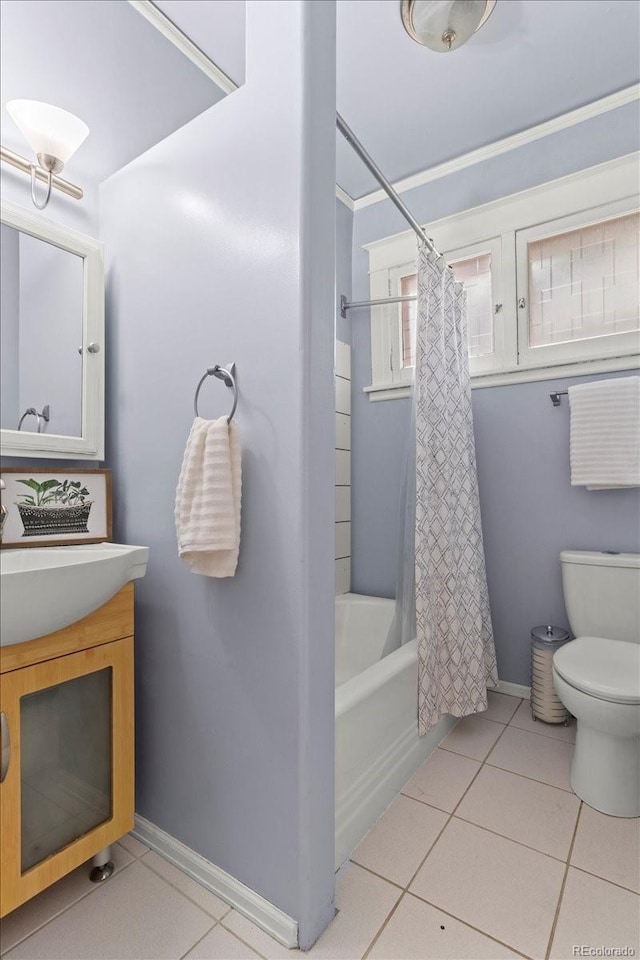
x=545 y=703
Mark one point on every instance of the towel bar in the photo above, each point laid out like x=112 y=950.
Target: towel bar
x=227 y=374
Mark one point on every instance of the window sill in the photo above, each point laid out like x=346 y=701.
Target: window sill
x=581 y=368
x=389 y=391
x=398 y=391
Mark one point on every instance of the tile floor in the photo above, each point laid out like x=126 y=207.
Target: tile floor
x=486 y=854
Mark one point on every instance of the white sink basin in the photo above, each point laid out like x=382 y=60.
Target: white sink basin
x=47 y=588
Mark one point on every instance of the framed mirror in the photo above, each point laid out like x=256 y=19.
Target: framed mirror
x=52 y=339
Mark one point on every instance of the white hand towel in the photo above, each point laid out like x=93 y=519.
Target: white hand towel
x=207 y=511
x=605 y=433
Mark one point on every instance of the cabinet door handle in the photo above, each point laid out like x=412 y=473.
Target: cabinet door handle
x=6 y=746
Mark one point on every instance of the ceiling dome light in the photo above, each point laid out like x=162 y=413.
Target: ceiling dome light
x=444 y=25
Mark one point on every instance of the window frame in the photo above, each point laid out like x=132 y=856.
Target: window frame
x=389 y=377
x=592 y=348
x=489 y=363
x=579 y=198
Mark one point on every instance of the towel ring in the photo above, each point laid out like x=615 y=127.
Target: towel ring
x=227 y=374
x=32 y=412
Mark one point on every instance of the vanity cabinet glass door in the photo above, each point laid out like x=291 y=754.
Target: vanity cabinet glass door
x=67 y=792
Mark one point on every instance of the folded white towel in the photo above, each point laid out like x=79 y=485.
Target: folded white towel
x=207 y=511
x=605 y=433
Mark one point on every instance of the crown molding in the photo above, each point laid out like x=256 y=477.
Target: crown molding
x=344 y=197
x=197 y=56
x=538 y=132
x=621 y=171
x=180 y=40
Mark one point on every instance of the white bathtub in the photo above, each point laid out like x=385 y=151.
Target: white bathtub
x=377 y=744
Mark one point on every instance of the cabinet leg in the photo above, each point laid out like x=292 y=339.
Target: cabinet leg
x=102 y=866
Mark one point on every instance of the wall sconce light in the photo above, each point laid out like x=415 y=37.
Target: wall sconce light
x=54 y=135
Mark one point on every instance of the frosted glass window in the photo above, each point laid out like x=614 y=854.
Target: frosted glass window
x=475 y=274
x=584 y=283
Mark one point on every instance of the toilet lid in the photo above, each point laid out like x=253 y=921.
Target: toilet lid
x=603 y=668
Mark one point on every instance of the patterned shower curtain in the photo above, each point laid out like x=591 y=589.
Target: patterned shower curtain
x=456 y=654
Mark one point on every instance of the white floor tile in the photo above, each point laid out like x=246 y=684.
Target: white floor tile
x=504 y=889
x=442 y=780
x=532 y=813
x=494 y=889
x=133 y=846
x=202 y=897
x=597 y=914
x=400 y=840
x=473 y=737
x=363 y=901
x=261 y=942
x=501 y=707
x=28 y=918
x=219 y=944
x=264 y=945
x=608 y=847
x=135 y=915
x=522 y=718
x=417 y=931
x=540 y=758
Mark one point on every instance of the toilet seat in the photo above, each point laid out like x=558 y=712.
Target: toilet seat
x=603 y=668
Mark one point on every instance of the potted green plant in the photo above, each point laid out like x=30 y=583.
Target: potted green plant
x=54 y=507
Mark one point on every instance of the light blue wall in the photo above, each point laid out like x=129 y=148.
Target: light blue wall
x=344 y=247
x=220 y=245
x=51 y=308
x=529 y=512
x=10 y=326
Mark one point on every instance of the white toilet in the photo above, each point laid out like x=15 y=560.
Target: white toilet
x=597 y=677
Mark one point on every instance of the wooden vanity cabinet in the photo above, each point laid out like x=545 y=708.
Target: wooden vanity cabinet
x=68 y=740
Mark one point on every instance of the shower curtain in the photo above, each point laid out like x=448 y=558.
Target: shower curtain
x=456 y=653
x=403 y=625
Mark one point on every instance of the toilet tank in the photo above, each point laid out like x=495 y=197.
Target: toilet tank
x=602 y=594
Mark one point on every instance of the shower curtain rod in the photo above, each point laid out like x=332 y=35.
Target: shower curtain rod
x=372 y=166
x=351 y=304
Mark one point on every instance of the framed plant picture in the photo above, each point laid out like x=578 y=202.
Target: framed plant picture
x=49 y=507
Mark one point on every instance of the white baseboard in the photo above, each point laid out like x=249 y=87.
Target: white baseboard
x=263 y=913
x=514 y=689
x=356 y=812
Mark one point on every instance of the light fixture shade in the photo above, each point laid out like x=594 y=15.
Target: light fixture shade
x=50 y=130
x=444 y=25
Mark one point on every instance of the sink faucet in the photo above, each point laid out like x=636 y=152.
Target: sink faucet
x=3 y=509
